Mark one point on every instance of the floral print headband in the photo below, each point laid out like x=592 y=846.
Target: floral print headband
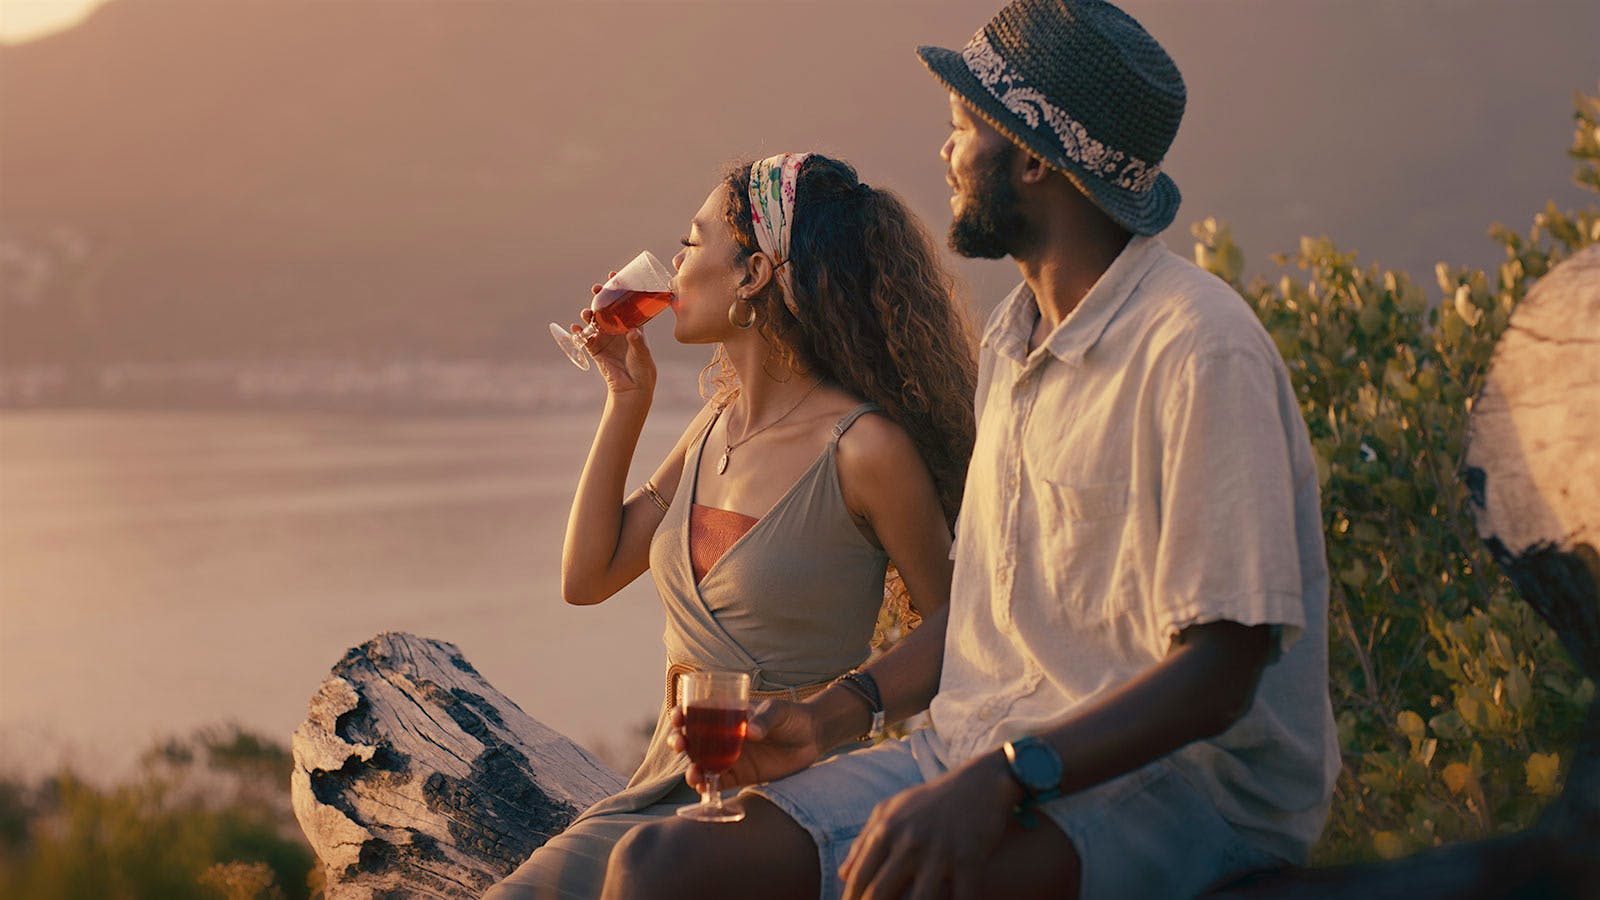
x=772 y=183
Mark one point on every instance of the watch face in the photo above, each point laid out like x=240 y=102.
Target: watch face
x=1037 y=766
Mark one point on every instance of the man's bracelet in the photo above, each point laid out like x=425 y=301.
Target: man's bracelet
x=866 y=687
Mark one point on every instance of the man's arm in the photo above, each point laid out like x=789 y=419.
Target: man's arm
x=947 y=829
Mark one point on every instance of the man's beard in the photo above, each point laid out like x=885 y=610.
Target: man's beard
x=990 y=225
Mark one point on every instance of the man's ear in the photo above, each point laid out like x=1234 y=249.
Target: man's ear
x=1033 y=169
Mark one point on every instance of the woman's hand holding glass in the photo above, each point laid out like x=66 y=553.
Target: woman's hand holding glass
x=629 y=298
x=624 y=359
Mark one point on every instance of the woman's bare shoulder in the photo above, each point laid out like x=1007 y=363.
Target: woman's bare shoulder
x=876 y=443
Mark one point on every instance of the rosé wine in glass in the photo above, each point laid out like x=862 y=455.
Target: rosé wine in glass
x=628 y=299
x=616 y=310
x=714 y=736
x=715 y=714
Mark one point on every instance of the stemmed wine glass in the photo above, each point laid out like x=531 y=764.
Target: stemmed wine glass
x=627 y=300
x=715 y=712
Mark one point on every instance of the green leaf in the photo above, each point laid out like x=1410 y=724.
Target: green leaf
x=1518 y=690
x=1583 y=695
x=1390 y=845
x=1457 y=777
x=1411 y=725
x=1450 y=726
x=1542 y=771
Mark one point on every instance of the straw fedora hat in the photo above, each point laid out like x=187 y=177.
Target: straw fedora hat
x=1082 y=86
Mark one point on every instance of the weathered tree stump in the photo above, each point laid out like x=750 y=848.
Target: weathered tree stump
x=1533 y=460
x=414 y=777
x=1533 y=469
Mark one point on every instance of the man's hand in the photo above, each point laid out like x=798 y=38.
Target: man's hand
x=933 y=840
x=782 y=739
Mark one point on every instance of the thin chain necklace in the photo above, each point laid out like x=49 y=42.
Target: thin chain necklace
x=727 y=448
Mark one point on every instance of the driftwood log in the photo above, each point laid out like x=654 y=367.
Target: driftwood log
x=413 y=777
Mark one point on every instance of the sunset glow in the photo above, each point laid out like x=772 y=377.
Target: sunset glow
x=25 y=20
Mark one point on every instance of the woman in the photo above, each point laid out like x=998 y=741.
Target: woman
x=836 y=440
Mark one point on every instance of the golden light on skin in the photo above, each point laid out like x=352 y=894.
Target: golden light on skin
x=26 y=20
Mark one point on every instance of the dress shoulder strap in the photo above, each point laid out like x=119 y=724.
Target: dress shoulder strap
x=716 y=413
x=843 y=425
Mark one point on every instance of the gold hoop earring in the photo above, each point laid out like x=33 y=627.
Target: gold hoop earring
x=733 y=318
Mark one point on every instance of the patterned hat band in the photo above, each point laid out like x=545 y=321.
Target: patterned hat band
x=1013 y=92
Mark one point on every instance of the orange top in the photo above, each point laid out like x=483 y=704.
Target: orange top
x=711 y=532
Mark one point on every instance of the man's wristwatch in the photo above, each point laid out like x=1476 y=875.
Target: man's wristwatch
x=1037 y=768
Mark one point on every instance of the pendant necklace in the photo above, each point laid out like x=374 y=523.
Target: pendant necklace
x=727 y=448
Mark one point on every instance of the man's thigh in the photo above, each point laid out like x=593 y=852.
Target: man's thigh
x=1150 y=833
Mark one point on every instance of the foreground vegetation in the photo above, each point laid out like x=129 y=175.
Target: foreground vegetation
x=1455 y=702
x=208 y=816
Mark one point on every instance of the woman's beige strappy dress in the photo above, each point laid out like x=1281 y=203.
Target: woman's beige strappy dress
x=793 y=602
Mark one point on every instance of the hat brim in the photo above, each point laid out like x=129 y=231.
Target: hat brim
x=1149 y=212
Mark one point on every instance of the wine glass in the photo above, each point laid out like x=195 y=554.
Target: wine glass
x=715 y=710
x=627 y=300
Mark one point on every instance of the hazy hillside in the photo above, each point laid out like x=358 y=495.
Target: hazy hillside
x=249 y=179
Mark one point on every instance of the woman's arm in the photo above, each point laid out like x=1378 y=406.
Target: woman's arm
x=607 y=543
x=885 y=481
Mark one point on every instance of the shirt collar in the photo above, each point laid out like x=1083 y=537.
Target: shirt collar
x=1072 y=339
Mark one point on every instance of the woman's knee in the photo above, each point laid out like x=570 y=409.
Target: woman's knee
x=656 y=859
x=677 y=858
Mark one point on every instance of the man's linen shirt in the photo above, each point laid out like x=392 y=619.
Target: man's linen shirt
x=1145 y=469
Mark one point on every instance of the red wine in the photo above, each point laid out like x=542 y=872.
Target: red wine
x=713 y=735
x=616 y=310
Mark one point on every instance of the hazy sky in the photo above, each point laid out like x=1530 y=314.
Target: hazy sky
x=429 y=177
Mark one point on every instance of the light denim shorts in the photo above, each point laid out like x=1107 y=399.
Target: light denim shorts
x=1149 y=833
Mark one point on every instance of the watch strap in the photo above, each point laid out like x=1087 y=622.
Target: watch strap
x=865 y=686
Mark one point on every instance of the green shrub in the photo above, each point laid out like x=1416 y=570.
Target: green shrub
x=1454 y=701
x=207 y=817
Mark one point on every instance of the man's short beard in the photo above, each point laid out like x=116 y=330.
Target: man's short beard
x=990 y=224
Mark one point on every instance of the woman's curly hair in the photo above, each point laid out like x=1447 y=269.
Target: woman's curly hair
x=876 y=313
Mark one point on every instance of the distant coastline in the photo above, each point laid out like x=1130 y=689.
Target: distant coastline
x=401 y=386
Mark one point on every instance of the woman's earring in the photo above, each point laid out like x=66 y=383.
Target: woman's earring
x=733 y=314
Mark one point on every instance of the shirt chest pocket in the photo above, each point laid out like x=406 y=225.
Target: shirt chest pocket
x=1085 y=528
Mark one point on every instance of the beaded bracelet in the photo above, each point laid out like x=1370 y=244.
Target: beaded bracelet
x=865 y=686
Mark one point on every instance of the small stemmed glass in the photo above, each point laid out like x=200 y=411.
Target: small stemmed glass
x=716 y=708
x=627 y=300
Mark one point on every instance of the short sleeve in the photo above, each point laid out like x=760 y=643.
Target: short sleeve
x=1228 y=548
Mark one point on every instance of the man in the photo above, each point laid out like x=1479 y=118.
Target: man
x=1133 y=701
